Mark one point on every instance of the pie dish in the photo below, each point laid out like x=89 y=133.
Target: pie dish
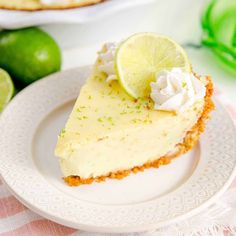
x=109 y=134
x=16 y=19
x=33 y=5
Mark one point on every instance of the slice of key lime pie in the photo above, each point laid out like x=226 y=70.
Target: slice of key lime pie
x=141 y=107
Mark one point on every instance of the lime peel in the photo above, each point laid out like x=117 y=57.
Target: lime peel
x=6 y=88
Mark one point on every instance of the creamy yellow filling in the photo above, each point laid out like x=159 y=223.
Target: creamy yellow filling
x=109 y=131
x=125 y=149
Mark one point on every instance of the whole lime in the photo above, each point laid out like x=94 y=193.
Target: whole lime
x=28 y=54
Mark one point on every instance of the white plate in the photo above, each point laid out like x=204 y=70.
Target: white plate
x=17 y=19
x=29 y=127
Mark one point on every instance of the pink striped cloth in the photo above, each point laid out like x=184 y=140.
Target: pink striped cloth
x=17 y=220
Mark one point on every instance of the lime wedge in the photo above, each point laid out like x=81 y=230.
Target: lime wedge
x=142 y=56
x=6 y=89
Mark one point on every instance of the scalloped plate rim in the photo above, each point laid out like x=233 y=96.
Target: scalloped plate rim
x=84 y=71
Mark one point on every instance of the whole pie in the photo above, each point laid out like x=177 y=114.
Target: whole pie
x=32 y=5
x=111 y=134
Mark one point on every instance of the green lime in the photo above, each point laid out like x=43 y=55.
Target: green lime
x=142 y=56
x=28 y=54
x=6 y=89
x=219 y=31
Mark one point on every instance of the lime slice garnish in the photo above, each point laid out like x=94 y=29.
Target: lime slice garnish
x=6 y=89
x=142 y=56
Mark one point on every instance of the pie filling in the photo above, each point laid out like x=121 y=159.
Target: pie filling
x=186 y=144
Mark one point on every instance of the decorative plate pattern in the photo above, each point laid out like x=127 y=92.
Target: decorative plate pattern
x=18 y=122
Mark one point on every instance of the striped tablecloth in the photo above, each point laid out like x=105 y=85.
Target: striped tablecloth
x=17 y=220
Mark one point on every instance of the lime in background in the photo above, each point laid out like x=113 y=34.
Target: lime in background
x=6 y=89
x=28 y=54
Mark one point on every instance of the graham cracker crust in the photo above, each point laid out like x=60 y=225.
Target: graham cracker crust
x=190 y=140
x=40 y=7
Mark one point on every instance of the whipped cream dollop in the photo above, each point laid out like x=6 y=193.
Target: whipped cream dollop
x=107 y=60
x=176 y=90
